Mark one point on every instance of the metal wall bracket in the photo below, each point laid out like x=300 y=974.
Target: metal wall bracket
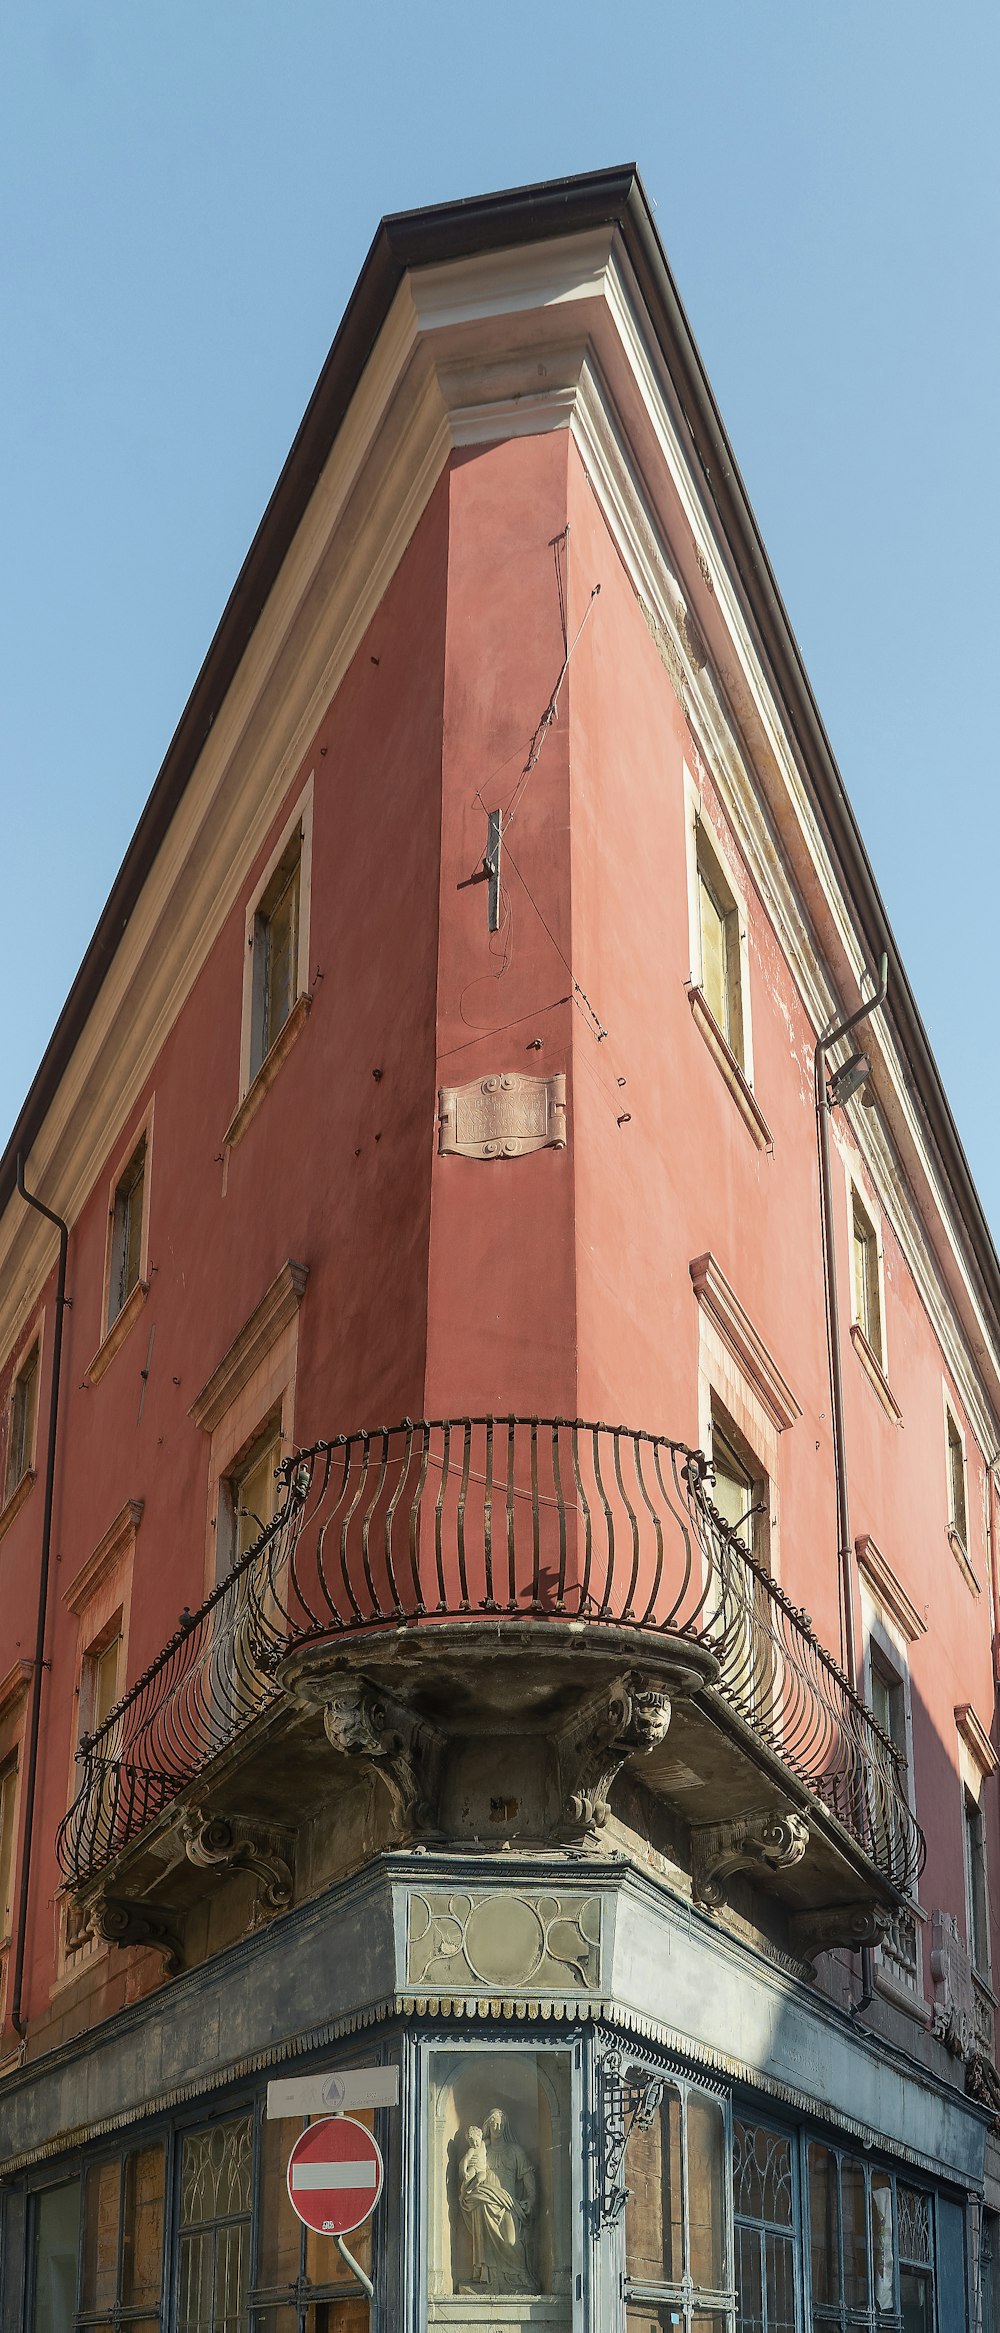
x=491 y=867
x=622 y=2108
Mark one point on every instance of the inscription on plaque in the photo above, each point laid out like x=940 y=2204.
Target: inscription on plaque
x=503 y=1116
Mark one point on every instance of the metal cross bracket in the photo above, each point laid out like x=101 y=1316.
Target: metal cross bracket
x=623 y=2107
x=491 y=866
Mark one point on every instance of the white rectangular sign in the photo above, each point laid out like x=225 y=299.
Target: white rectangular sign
x=323 y=2175
x=333 y=2093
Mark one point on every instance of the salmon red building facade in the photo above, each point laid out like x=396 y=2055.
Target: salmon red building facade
x=500 y=1363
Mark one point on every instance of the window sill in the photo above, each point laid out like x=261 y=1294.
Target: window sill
x=875 y=1373
x=735 y=1078
x=117 y=1333
x=16 y=1500
x=268 y=1071
x=961 y=1555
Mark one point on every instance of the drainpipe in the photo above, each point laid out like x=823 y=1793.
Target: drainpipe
x=831 y=1037
x=18 y=2021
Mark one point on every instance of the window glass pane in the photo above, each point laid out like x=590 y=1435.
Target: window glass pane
x=956 y=1479
x=916 y=2307
x=654 y=2213
x=142 y=2232
x=282 y=944
x=749 y=2281
x=762 y=2174
x=658 y=2317
x=280 y=2230
x=914 y=2226
x=823 y=2227
x=214 y=2251
x=882 y=2252
x=852 y=2191
x=779 y=2283
x=105 y=1682
x=57 y=2232
x=99 y=2286
x=706 y=2209
x=713 y=955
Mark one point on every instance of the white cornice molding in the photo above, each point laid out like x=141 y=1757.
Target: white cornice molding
x=117 y=1540
x=447 y=370
x=250 y=1347
x=976 y=1738
x=748 y=1349
x=889 y=1591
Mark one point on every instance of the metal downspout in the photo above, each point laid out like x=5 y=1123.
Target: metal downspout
x=17 y=2020
x=830 y=1037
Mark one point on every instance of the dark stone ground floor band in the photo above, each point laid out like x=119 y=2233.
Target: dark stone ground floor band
x=614 y=2117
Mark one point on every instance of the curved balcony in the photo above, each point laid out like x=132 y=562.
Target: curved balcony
x=545 y=1532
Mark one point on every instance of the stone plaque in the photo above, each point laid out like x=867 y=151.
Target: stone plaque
x=503 y=1116
x=460 y=1942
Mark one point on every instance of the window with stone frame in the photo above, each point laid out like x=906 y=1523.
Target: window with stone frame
x=249 y=1495
x=8 y=1840
x=21 y=1422
x=867 y=1277
x=127 y=1225
x=742 y=1496
x=976 y=1896
x=721 y=952
x=958 y=1509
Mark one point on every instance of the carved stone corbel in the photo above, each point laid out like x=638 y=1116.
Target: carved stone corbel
x=763 y=1843
x=629 y=1720
x=117 y=1920
x=402 y=1749
x=850 y=1926
x=982 y=2084
x=954 y=1990
x=230 y=1843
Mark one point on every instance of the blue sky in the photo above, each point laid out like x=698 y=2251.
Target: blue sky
x=188 y=192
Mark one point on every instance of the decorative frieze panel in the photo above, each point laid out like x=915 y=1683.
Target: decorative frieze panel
x=471 y=1940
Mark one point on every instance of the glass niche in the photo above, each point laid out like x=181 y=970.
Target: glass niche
x=500 y=2158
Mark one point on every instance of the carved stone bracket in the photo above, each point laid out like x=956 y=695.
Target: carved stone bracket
x=756 y=1843
x=627 y=1721
x=954 y=1989
x=404 y=1749
x=982 y=2084
x=116 y=1920
x=362 y=1723
x=230 y=1843
x=838 y=1925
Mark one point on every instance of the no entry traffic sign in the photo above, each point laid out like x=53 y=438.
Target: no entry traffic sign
x=335 y=2175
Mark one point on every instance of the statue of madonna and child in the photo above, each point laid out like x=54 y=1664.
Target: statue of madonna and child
x=497 y=2190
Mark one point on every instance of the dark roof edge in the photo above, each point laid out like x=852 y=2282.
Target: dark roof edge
x=433 y=236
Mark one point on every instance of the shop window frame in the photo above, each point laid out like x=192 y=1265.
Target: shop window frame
x=683 y=2295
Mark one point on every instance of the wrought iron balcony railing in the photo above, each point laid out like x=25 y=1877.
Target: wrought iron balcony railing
x=526 y=1519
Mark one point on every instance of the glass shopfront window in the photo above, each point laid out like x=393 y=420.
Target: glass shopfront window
x=871 y=2247
x=676 y=2233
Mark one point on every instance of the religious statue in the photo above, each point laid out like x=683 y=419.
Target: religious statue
x=496 y=2195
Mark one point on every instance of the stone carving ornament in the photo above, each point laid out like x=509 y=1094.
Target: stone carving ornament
x=462 y=1941
x=497 y=2193
x=631 y=1720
